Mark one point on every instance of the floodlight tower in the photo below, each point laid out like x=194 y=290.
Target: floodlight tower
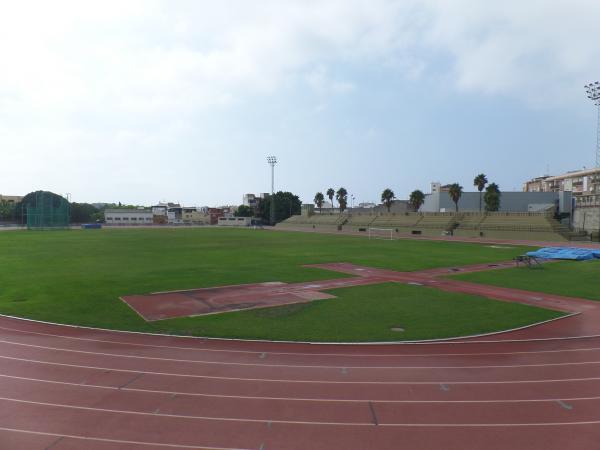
x=593 y=93
x=272 y=160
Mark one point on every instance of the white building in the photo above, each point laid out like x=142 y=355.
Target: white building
x=128 y=216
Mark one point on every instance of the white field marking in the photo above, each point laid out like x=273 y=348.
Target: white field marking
x=116 y=441
x=302 y=422
x=301 y=366
x=297 y=399
x=354 y=355
x=457 y=340
x=181 y=416
x=275 y=380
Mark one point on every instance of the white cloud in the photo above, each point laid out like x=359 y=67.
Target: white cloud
x=103 y=77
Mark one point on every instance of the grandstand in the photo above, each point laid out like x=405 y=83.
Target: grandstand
x=318 y=221
x=496 y=225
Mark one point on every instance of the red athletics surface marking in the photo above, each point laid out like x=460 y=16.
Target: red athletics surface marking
x=194 y=302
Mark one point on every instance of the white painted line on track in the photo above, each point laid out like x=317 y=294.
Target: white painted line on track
x=301 y=366
x=302 y=422
x=275 y=380
x=295 y=399
x=350 y=355
x=116 y=441
x=457 y=340
x=186 y=417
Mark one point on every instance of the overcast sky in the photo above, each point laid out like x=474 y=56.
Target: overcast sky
x=143 y=101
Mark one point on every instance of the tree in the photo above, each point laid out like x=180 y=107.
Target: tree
x=286 y=205
x=416 y=199
x=330 y=194
x=342 y=198
x=319 y=199
x=83 y=213
x=480 y=181
x=244 y=211
x=491 y=197
x=7 y=210
x=455 y=192
x=387 y=198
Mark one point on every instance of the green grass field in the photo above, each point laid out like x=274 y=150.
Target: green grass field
x=569 y=278
x=76 y=277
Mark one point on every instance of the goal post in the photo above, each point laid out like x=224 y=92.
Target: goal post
x=381 y=233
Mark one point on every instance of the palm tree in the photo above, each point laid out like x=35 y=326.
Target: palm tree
x=492 y=197
x=416 y=199
x=480 y=181
x=387 y=198
x=455 y=192
x=330 y=194
x=319 y=199
x=342 y=197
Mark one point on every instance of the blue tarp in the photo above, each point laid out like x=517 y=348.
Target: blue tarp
x=574 y=253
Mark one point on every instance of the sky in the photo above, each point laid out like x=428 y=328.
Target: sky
x=146 y=101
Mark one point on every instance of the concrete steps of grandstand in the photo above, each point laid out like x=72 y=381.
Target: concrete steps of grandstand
x=534 y=226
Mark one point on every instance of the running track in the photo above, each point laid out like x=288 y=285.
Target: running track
x=65 y=388
x=74 y=388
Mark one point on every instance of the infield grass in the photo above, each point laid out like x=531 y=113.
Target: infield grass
x=77 y=277
x=569 y=278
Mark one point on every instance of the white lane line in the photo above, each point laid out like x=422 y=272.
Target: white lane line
x=344 y=369
x=275 y=380
x=115 y=441
x=303 y=422
x=293 y=399
x=180 y=416
x=350 y=355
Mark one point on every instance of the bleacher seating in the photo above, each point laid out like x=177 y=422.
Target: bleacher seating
x=361 y=220
x=402 y=220
x=531 y=226
x=327 y=220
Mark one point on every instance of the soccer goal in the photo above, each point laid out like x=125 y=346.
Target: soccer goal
x=381 y=233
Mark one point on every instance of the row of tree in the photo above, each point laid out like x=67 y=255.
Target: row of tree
x=341 y=195
x=491 y=198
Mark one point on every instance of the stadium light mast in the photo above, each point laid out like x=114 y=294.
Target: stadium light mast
x=272 y=160
x=593 y=93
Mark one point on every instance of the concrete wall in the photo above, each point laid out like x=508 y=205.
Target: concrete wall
x=235 y=221
x=509 y=201
x=587 y=219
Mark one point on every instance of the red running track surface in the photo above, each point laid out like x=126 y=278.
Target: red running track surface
x=76 y=388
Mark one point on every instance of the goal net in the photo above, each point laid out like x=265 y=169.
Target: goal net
x=381 y=233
